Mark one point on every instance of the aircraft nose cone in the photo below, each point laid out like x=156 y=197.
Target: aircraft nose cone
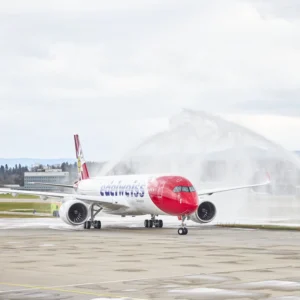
x=192 y=204
x=189 y=202
x=176 y=203
x=193 y=207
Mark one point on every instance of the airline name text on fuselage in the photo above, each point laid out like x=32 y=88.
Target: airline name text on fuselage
x=129 y=190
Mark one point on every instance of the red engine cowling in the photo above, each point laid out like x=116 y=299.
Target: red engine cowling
x=205 y=213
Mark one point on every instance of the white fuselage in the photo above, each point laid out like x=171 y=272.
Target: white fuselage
x=130 y=190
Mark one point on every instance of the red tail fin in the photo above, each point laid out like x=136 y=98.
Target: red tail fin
x=83 y=172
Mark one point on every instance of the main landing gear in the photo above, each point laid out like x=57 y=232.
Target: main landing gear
x=95 y=209
x=183 y=230
x=153 y=222
x=89 y=224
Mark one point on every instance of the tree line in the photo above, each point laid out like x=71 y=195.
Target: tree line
x=12 y=175
x=15 y=175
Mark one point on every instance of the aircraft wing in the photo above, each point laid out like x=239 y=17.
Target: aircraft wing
x=225 y=189
x=112 y=204
x=53 y=184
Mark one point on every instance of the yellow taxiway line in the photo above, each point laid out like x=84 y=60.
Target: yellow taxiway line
x=32 y=287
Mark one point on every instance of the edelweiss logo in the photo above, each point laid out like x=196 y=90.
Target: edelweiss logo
x=121 y=189
x=80 y=161
x=79 y=164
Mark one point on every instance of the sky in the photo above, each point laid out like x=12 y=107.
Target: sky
x=116 y=71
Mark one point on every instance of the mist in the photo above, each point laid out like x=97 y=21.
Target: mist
x=213 y=152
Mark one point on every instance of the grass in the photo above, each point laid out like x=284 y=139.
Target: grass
x=7 y=216
x=26 y=207
x=266 y=227
x=19 y=196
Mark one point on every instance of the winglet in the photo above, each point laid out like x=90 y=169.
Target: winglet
x=83 y=172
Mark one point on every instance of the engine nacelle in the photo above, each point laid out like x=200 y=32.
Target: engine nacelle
x=205 y=213
x=74 y=212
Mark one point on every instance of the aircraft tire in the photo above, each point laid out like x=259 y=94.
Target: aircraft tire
x=150 y=223
x=88 y=224
x=98 y=224
x=181 y=231
x=160 y=223
x=146 y=223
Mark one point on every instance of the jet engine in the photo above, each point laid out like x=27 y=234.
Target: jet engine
x=74 y=212
x=205 y=213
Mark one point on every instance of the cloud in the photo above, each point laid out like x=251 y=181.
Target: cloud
x=98 y=67
x=289 y=10
x=279 y=129
x=277 y=103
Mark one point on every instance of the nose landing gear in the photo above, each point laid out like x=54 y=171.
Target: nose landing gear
x=183 y=230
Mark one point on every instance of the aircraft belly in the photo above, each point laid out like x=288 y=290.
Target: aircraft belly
x=142 y=206
x=137 y=206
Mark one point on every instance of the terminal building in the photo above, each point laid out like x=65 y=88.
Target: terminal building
x=55 y=176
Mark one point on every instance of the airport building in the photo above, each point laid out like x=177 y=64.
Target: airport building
x=55 y=176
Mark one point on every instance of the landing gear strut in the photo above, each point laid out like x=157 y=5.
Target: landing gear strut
x=153 y=222
x=183 y=230
x=95 y=209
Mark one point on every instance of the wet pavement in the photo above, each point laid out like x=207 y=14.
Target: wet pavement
x=46 y=259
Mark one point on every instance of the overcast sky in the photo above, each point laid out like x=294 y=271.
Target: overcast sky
x=115 y=71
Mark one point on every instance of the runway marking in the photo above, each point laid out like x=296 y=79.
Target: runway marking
x=91 y=283
x=124 y=280
x=32 y=287
x=161 y=277
x=60 y=288
x=111 y=281
x=57 y=287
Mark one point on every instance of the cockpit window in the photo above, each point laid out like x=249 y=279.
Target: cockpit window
x=178 y=189
x=192 y=189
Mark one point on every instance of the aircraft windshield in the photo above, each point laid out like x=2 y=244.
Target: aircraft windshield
x=187 y=189
x=177 y=189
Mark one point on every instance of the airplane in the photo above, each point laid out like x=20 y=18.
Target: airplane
x=131 y=195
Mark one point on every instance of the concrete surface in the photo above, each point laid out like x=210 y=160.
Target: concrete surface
x=46 y=259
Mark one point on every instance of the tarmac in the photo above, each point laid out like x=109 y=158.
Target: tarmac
x=46 y=259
